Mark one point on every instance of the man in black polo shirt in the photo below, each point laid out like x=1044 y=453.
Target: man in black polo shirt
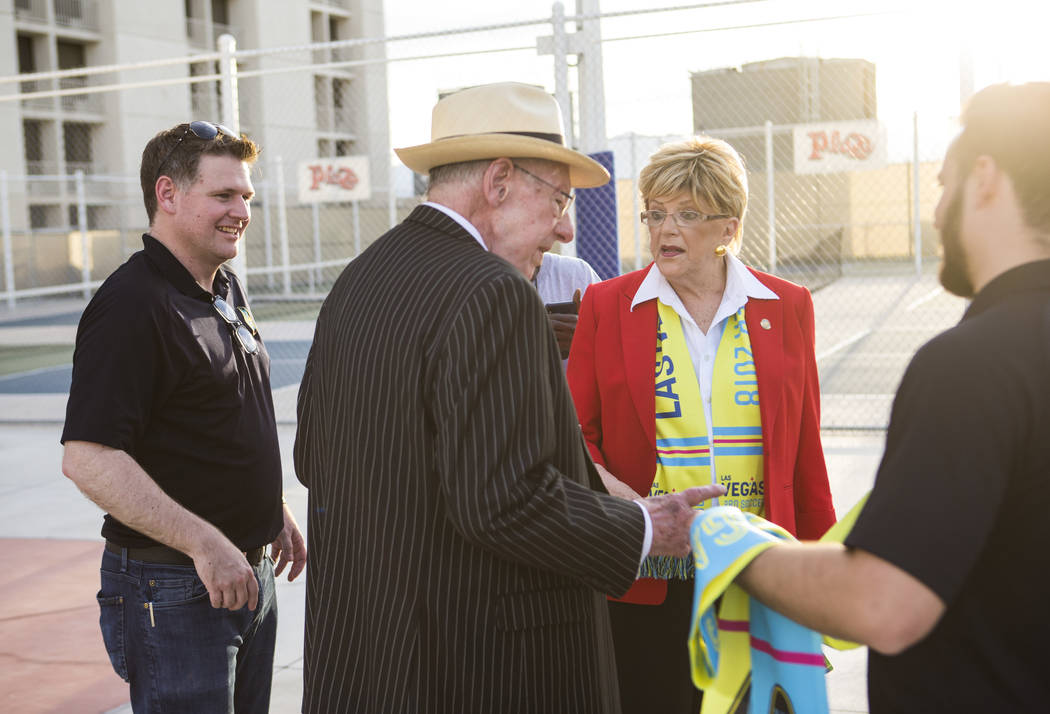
x=170 y=429
x=944 y=575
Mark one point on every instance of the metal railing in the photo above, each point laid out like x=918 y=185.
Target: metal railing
x=31 y=10
x=80 y=14
x=79 y=103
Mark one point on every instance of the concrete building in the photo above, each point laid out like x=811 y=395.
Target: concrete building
x=813 y=212
x=297 y=105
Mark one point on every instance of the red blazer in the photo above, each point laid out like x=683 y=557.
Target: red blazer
x=610 y=373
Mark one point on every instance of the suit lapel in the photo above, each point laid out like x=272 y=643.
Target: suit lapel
x=638 y=331
x=765 y=328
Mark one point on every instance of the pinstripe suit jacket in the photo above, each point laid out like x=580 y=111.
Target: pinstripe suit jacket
x=458 y=553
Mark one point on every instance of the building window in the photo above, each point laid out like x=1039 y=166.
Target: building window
x=71 y=55
x=33 y=138
x=77 y=139
x=26 y=65
x=39 y=216
x=26 y=57
x=94 y=215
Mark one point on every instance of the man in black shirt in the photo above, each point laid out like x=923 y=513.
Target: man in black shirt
x=170 y=429
x=944 y=575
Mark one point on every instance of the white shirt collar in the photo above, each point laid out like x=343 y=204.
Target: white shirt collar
x=467 y=225
x=741 y=284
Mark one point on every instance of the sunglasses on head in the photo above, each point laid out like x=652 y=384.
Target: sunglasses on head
x=202 y=130
x=241 y=331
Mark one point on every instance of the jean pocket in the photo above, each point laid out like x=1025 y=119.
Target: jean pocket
x=111 y=620
x=171 y=592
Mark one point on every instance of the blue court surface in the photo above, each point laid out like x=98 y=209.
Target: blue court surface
x=287 y=362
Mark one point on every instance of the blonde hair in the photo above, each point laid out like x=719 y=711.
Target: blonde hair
x=708 y=169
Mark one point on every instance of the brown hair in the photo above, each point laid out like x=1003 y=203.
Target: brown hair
x=1011 y=124
x=180 y=151
x=709 y=169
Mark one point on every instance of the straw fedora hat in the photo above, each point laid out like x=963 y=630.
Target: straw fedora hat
x=508 y=119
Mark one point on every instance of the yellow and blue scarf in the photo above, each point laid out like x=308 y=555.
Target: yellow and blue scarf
x=749 y=658
x=683 y=448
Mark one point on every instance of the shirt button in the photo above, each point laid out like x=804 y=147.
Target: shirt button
x=707 y=358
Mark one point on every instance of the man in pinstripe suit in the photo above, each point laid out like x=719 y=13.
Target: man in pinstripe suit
x=461 y=557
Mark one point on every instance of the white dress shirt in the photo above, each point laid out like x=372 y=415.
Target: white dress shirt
x=741 y=284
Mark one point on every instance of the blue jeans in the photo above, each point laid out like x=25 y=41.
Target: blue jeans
x=181 y=654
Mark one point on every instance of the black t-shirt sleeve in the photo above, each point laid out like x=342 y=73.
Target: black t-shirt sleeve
x=117 y=363
x=945 y=470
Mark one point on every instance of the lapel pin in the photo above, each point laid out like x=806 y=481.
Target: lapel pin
x=765 y=323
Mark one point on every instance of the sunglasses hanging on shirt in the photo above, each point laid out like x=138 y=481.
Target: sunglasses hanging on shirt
x=241 y=331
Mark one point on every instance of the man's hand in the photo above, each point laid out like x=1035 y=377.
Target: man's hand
x=564 y=326
x=116 y=482
x=226 y=574
x=672 y=515
x=289 y=547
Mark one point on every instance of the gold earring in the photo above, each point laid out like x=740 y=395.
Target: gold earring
x=720 y=251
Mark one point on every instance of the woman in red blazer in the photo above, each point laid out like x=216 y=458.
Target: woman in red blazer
x=695 y=195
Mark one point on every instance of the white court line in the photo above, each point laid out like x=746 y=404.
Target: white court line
x=843 y=345
x=924 y=299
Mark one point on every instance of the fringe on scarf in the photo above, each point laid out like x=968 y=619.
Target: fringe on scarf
x=667 y=567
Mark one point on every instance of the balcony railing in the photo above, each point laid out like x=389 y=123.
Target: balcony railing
x=83 y=103
x=41 y=168
x=48 y=185
x=81 y=14
x=343 y=120
x=333 y=54
x=204 y=99
x=34 y=10
x=197 y=33
x=45 y=103
x=336 y=120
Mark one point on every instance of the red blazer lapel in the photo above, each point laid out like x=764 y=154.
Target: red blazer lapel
x=638 y=331
x=765 y=328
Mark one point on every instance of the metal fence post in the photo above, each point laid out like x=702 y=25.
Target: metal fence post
x=268 y=234
x=771 y=200
x=231 y=117
x=355 y=213
x=560 y=50
x=635 y=213
x=5 y=224
x=315 y=271
x=560 y=46
x=590 y=77
x=85 y=241
x=916 y=205
x=282 y=226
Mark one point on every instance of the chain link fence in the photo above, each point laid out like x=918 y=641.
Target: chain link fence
x=854 y=225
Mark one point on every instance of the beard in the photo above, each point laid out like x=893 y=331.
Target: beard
x=955 y=269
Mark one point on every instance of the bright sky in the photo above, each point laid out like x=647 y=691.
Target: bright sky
x=918 y=47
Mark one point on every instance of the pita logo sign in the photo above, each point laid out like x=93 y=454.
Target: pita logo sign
x=333 y=180
x=839 y=146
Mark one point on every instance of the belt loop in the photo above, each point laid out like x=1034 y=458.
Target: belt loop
x=123 y=560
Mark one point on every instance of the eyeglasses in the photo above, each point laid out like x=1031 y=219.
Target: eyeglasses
x=202 y=130
x=562 y=200
x=684 y=219
x=244 y=335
